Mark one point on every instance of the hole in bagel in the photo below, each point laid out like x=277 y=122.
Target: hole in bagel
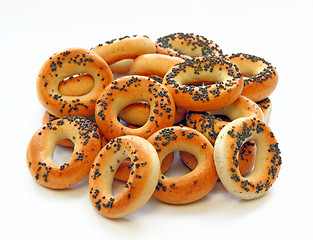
x=247 y=156
x=62 y=154
x=177 y=168
x=76 y=85
x=135 y=114
x=120 y=177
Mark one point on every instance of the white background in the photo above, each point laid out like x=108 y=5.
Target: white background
x=280 y=32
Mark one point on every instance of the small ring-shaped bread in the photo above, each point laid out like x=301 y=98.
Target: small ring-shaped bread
x=187 y=46
x=226 y=84
x=85 y=136
x=66 y=64
x=261 y=77
x=128 y=90
x=267 y=164
x=143 y=178
x=197 y=183
x=128 y=47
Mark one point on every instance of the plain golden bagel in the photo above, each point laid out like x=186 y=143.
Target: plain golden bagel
x=122 y=66
x=197 y=183
x=66 y=64
x=128 y=90
x=143 y=178
x=128 y=47
x=261 y=77
x=226 y=83
x=153 y=64
x=187 y=46
x=210 y=124
x=267 y=164
x=85 y=136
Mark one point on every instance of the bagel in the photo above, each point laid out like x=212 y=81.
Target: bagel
x=261 y=77
x=85 y=136
x=226 y=84
x=128 y=47
x=210 y=125
x=187 y=46
x=153 y=64
x=267 y=164
x=121 y=66
x=194 y=185
x=266 y=106
x=128 y=90
x=145 y=171
x=66 y=64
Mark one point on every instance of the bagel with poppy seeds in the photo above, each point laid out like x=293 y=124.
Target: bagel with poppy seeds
x=267 y=164
x=86 y=139
x=225 y=80
x=143 y=178
x=128 y=90
x=261 y=77
x=66 y=64
x=195 y=184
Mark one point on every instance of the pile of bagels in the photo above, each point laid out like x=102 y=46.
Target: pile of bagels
x=126 y=105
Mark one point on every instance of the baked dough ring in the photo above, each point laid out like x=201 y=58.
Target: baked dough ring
x=266 y=106
x=197 y=183
x=187 y=46
x=227 y=84
x=261 y=77
x=210 y=125
x=85 y=136
x=145 y=171
x=267 y=163
x=128 y=90
x=153 y=64
x=128 y=47
x=121 y=66
x=66 y=64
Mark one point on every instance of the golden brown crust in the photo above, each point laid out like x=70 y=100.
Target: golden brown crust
x=128 y=90
x=128 y=47
x=194 y=185
x=145 y=170
x=267 y=163
x=85 y=136
x=153 y=64
x=261 y=77
x=226 y=84
x=66 y=64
